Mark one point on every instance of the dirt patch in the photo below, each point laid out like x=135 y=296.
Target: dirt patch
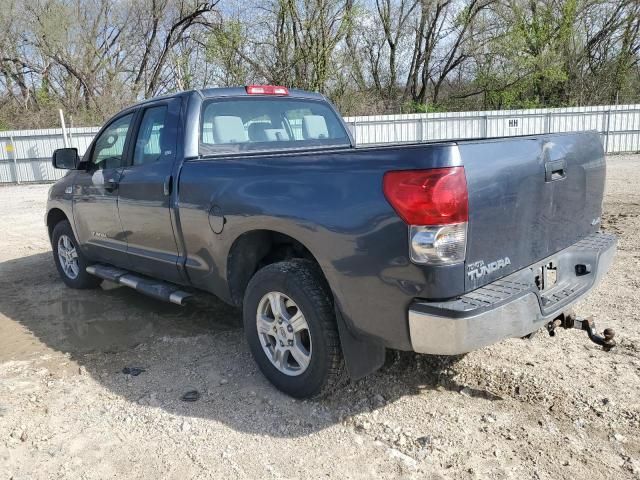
x=540 y=408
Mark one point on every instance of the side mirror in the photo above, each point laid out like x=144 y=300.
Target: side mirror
x=65 y=158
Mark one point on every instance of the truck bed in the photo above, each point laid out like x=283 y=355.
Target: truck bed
x=332 y=201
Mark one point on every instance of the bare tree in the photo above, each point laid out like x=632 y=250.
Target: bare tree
x=369 y=56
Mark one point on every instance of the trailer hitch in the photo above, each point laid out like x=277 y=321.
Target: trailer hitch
x=571 y=320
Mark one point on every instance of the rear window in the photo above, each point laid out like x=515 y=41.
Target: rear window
x=276 y=123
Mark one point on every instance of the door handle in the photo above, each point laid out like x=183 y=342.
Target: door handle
x=556 y=170
x=166 y=186
x=111 y=185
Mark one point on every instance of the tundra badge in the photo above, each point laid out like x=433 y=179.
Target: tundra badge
x=479 y=269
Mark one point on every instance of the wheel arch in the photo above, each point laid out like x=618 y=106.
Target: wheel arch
x=258 y=248
x=55 y=216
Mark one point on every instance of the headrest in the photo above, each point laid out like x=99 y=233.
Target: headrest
x=229 y=129
x=314 y=127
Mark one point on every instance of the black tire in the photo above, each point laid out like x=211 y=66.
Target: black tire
x=303 y=282
x=83 y=280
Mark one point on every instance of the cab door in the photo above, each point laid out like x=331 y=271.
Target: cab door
x=95 y=199
x=145 y=192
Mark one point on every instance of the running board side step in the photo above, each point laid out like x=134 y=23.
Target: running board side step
x=148 y=286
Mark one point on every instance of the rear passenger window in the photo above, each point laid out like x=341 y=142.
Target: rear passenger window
x=153 y=139
x=259 y=123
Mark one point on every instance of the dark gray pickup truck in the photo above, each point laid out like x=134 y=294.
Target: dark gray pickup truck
x=334 y=252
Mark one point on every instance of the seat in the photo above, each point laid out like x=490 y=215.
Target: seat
x=276 y=134
x=158 y=144
x=264 y=132
x=257 y=131
x=167 y=143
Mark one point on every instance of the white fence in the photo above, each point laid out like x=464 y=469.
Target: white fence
x=25 y=154
x=619 y=125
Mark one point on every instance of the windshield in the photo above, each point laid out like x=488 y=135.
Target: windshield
x=268 y=123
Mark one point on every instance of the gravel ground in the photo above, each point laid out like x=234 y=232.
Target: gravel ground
x=540 y=408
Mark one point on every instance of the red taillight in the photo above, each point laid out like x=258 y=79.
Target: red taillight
x=428 y=197
x=267 y=90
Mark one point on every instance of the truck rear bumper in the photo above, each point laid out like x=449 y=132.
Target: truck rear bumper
x=513 y=306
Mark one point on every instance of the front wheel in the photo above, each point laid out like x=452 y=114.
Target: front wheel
x=70 y=262
x=291 y=328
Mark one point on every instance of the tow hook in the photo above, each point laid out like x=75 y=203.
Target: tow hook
x=570 y=320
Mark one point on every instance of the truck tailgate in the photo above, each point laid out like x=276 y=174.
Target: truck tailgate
x=529 y=197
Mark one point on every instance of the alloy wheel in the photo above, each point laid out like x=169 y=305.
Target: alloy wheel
x=284 y=333
x=68 y=256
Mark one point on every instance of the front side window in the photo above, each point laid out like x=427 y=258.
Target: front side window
x=153 y=139
x=109 y=147
x=259 y=123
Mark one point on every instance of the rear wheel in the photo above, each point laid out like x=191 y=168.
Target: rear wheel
x=69 y=260
x=291 y=328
